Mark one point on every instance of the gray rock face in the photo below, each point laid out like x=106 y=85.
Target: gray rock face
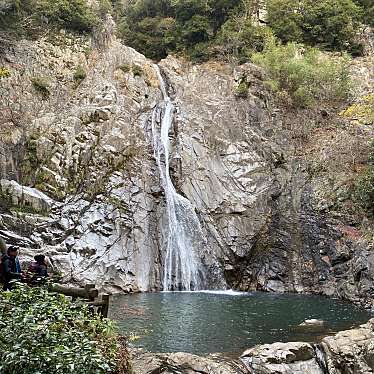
x=89 y=148
x=23 y=196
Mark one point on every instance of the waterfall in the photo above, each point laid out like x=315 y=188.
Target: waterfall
x=183 y=235
x=320 y=358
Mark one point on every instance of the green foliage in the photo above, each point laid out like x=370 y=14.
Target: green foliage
x=304 y=75
x=105 y=7
x=137 y=70
x=239 y=38
x=23 y=17
x=41 y=85
x=79 y=75
x=368 y=10
x=72 y=14
x=42 y=332
x=4 y=73
x=125 y=68
x=328 y=23
x=157 y=27
x=361 y=111
x=364 y=189
x=242 y=88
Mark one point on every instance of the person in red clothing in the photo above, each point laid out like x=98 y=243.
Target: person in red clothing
x=38 y=269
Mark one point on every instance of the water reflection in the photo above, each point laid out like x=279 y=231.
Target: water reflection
x=208 y=322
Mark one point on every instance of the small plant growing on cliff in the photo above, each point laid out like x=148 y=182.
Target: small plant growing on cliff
x=41 y=85
x=125 y=68
x=137 y=70
x=4 y=73
x=364 y=189
x=242 y=88
x=79 y=75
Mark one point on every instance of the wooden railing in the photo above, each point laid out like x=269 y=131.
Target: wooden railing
x=90 y=295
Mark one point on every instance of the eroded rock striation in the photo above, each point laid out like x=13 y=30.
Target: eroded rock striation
x=272 y=205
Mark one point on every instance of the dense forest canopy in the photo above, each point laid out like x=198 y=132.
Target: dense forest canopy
x=205 y=28
x=201 y=29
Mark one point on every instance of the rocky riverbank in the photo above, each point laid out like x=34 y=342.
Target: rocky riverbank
x=347 y=352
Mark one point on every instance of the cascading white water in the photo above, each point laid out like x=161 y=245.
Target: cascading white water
x=183 y=234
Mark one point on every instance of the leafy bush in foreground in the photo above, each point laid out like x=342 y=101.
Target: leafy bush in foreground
x=304 y=75
x=43 y=332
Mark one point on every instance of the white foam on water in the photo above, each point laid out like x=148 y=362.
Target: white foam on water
x=215 y=292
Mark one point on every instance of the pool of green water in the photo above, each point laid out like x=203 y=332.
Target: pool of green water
x=226 y=322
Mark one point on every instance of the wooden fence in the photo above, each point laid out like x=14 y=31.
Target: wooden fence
x=90 y=295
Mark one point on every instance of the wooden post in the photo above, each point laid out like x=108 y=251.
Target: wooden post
x=105 y=308
x=91 y=294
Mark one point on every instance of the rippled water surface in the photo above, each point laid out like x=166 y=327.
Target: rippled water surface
x=205 y=322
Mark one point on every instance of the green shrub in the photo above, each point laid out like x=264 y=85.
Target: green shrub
x=87 y=51
x=4 y=73
x=125 y=68
x=72 y=14
x=137 y=70
x=242 y=88
x=368 y=10
x=328 y=23
x=305 y=75
x=43 y=332
x=364 y=188
x=32 y=16
x=79 y=75
x=239 y=38
x=41 y=85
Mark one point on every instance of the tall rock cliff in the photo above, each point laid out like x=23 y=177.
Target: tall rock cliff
x=270 y=185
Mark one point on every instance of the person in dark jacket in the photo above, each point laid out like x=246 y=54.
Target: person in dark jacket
x=11 y=267
x=38 y=269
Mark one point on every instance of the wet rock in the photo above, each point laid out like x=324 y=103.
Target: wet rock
x=351 y=351
x=281 y=358
x=312 y=325
x=347 y=352
x=184 y=363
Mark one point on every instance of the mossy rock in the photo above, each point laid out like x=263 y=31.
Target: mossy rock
x=79 y=75
x=362 y=111
x=4 y=73
x=41 y=86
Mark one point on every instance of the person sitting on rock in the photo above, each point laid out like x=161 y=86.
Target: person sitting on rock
x=38 y=269
x=11 y=268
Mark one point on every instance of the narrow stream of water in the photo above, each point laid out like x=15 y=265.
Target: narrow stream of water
x=182 y=268
x=227 y=322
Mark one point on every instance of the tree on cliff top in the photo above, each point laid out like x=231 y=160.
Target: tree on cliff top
x=26 y=16
x=329 y=24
